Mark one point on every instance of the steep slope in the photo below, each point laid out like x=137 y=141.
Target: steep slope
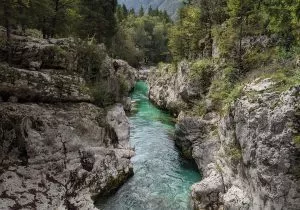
x=57 y=149
x=249 y=155
x=171 y=6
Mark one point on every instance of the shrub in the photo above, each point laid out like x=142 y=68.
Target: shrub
x=199 y=108
x=34 y=33
x=101 y=94
x=297 y=140
x=90 y=60
x=284 y=78
x=202 y=72
x=234 y=153
x=223 y=94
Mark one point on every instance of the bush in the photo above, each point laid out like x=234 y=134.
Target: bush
x=34 y=33
x=202 y=72
x=297 y=140
x=223 y=94
x=199 y=108
x=102 y=95
x=90 y=61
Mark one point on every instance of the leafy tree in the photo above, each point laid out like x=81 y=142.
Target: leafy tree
x=143 y=39
x=184 y=37
x=284 y=17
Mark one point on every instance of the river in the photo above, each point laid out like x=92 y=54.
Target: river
x=162 y=178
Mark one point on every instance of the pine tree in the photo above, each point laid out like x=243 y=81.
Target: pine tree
x=98 y=19
x=150 y=11
x=141 y=12
x=125 y=10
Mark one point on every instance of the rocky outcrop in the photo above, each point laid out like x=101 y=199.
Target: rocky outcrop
x=249 y=157
x=144 y=73
x=172 y=90
x=59 y=156
x=65 y=65
x=57 y=149
x=42 y=86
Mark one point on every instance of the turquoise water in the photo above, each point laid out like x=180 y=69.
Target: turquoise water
x=162 y=178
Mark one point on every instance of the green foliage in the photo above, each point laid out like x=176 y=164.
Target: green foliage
x=202 y=72
x=223 y=93
x=141 y=40
x=234 y=153
x=33 y=33
x=297 y=140
x=285 y=78
x=85 y=18
x=101 y=94
x=98 y=19
x=199 y=109
x=184 y=37
x=124 y=85
x=90 y=61
x=284 y=19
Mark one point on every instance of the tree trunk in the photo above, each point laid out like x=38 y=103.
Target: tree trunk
x=7 y=16
x=241 y=38
x=54 y=20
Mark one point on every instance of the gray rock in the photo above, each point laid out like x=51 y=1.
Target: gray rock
x=58 y=157
x=172 y=91
x=13 y=99
x=57 y=152
x=248 y=158
x=126 y=72
x=42 y=86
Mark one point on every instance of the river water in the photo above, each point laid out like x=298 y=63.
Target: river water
x=162 y=178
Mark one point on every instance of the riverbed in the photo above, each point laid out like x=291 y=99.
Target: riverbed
x=162 y=177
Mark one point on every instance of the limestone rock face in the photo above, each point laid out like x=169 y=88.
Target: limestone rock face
x=172 y=91
x=32 y=53
x=248 y=158
x=57 y=149
x=125 y=71
x=42 y=86
x=59 y=156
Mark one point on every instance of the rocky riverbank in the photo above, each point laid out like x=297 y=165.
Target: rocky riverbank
x=248 y=155
x=170 y=90
x=62 y=143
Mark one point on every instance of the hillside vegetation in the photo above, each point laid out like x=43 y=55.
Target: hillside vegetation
x=230 y=42
x=171 y=6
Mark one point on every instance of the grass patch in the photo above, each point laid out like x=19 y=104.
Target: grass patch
x=199 y=109
x=223 y=95
x=234 y=153
x=296 y=140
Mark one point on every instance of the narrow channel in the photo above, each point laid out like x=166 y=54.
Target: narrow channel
x=162 y=178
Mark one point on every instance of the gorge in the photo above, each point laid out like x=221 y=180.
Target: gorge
x=149 y=105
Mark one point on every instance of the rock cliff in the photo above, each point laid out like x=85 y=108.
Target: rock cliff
x=249 y=156
x=170 y=90
x=57 y=149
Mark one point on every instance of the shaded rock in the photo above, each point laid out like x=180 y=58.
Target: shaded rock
x=42 y=86
x=126 y=72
